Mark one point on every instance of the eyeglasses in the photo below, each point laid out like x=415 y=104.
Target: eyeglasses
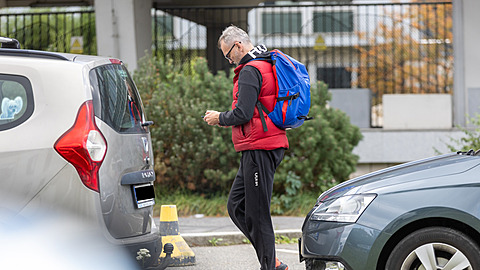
x=228 y=53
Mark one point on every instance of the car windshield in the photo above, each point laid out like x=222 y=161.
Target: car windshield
x=116 y=98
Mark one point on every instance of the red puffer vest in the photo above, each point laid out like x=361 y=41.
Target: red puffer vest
x=250 y=136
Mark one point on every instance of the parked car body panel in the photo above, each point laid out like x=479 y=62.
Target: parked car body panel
x=39 y=179
x=117 y=202
x=411 y=195
x=25 y=156
x=328 y=241
x=133 y=150
x=412 y=171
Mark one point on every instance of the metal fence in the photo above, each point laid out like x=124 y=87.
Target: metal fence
x=51 y=30
x=388 y=47
x=385 y=47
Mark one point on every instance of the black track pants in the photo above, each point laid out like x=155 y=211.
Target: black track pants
x=249 y=201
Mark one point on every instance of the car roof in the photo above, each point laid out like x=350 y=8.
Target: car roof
x=77 y=58
x=11 y=47
x=31 y=53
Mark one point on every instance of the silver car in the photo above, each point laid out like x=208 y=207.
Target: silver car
x=74 y=138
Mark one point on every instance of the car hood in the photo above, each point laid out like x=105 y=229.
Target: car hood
x=421 y=170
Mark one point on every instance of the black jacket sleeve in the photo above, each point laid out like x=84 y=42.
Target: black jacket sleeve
x=249 y=84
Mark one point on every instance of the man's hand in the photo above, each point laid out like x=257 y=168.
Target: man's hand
x=212 y=118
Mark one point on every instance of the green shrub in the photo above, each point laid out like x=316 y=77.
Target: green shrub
x=471 y=138
x=320 y=154
x=190 y=155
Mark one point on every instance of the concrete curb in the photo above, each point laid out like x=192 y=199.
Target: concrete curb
x=228 y=238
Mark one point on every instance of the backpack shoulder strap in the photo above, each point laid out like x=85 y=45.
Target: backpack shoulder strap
x=261 y=108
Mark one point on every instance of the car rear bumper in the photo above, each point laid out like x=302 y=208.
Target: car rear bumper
x=348 y=243
x=153 y=242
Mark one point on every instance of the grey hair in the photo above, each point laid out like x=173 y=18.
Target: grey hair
x=232 y=34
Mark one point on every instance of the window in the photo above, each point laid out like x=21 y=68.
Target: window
x=335 y=77
x=328 y=22
x=116 y=100
x=281 y=23
x=16 y=100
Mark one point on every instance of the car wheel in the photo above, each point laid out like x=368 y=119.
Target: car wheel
x=311 y=264
x=434 y=248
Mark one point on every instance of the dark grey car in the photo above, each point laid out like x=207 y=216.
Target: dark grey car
x=419 y=215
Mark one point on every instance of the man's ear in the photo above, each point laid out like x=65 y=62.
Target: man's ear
x=240 y=47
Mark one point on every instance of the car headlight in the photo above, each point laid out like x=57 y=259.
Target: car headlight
x=343 y=209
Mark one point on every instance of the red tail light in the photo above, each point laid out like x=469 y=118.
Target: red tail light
x=84 y=146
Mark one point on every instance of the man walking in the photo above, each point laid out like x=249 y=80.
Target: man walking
x=262 y=151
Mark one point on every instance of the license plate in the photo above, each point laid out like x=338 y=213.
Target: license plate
x=144 y=195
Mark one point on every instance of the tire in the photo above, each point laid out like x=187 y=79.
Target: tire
x=311 y=264
x=434 y=248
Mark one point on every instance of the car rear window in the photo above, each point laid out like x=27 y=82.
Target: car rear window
x=16 y=100
x=116 y=99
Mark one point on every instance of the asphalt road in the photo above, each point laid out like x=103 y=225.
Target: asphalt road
x=239 y=257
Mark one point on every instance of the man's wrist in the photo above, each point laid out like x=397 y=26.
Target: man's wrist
x=221 y=122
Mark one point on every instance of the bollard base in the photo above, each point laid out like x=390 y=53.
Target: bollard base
x=182 y=254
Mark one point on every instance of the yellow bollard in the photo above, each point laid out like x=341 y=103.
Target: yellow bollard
x=182 y=253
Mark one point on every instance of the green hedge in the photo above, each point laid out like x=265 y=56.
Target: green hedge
x=470 y=139
x=190 y=155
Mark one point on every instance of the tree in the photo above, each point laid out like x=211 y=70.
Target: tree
x=410 y=51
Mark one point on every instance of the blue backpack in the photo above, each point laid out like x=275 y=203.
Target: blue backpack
x=293 y=92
